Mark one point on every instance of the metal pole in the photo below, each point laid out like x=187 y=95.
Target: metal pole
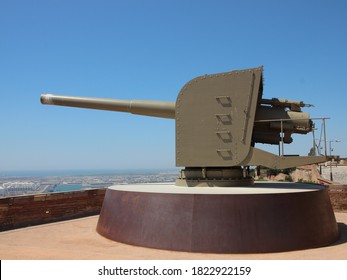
x=331 y=171
x=314 y=143
x=325 y=138
x=282 y=145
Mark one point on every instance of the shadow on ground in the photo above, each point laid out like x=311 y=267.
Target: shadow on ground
x=343 y=235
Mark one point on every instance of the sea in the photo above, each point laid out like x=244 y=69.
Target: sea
x=69 y=188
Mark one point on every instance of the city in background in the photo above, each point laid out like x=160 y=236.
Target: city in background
x=24 y=185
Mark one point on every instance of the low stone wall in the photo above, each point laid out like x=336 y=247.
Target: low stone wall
x=29 y=210
x=338 y=197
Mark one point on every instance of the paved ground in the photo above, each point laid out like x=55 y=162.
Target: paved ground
x=78 y=239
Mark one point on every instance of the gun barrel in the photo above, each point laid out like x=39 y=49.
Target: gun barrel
x=139 y=107
x=266 y=127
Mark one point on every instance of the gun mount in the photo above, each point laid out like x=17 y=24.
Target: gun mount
x=219 y=119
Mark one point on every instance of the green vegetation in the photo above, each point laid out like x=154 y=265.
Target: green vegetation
x=275 y=172
x=307 y=182
x=312 y=152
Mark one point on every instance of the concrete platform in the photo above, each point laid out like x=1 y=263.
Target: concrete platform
x=257 y=188
x=78 y=240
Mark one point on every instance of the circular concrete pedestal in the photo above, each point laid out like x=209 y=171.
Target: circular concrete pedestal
x=267 y=217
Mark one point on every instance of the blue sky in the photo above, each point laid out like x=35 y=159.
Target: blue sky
x=149 y=50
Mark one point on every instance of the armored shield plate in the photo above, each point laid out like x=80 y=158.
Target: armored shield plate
x=215 y=116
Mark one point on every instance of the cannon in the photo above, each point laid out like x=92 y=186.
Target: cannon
x=219 y=119
x=139 y=107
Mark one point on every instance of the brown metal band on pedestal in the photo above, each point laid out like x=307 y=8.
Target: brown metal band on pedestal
x=219 y=223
